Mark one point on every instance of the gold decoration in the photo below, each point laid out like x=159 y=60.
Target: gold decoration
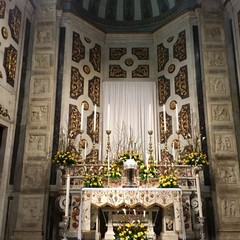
x=78 y=49
x=141 y=53
x=142 y=71
x=115 y=71
x=171 y=68
x=167 y=134
x=86 y=105
x=116 y=53
x=86 y=69
x=74 y=121
x=94 y=90
x=129 y=62
x=163 y=89
x=4 y=112
x=2 y=8
x=173 y=104
x=15 y=23
x=77 y=83
x=95 y=57
x=90 y=122
x=4 y=33
x=185 y=121
x=179 y=48
x=162 y=56
x=181 y=83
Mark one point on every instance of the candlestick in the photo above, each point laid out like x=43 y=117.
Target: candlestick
x=199 y=196
x=164 y=118
x=108 y=118
x=94 y=118
x=82 y=108
x=67 y=195
x=177 y=123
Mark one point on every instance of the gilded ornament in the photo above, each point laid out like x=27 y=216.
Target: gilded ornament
x=179 y=48
x=141 y=53
x=86 y=69
x=116 y=53
x=162 y=56
x=94 y=90
x=78 y=49
x=173 y=104
x=115 y=71
x=129 y=62
x=142 y=71
x=2 y=8
x=171 y=68
x=95 y=57
x=4 y=33
x=15 y=23
x=170 y=39
x=77 y=83
x=86 y=105
x=181 y=83
x=164 y=90
x=74 y=121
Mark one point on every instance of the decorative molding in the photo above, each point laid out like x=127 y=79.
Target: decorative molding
x=179 y=48
x=142 y=71
x=94 y=90
x=116 y=53
x=141 y=53
x=162 y=56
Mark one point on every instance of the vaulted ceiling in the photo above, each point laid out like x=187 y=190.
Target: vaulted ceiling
x=128 y=15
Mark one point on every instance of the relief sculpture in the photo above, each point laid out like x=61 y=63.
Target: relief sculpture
x=220 y=112
x=227 y=174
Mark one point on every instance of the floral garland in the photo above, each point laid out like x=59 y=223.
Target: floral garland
x=195 y=159
x=131 y=231
x=168 y=181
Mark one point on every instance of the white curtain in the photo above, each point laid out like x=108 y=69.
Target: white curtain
x=132 y=112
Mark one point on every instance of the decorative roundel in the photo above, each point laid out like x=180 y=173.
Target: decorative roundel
x=173 y=104
x=86 y=69
x=86 y=105
x=4 y=33
x=88 y=40
x=129 y=62
x=171 y=68
x=170 y=39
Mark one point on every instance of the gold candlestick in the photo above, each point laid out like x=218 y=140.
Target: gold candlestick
x=93 y=160
x=150 y=159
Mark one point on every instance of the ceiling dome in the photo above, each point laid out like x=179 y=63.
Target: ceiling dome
x=128 y=15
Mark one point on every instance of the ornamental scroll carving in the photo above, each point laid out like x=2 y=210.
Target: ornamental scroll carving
x=179 y=48
x=94 y=90
x=2 y=8
x=77 y=83
x=14 y=23
x=185 y=121
x=78 y=49
x=165 y=136
x=141 y=53
x=74 y=121
x=95 y=57
x=142 y=71
x=10 y=63
x=162 y=56
x=164 y=90
x=90 y=122
x=116 y=53
x=115 y=71
x=181 y=83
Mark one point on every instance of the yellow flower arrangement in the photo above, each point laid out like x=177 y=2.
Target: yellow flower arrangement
x=92 y=179
x=131 y=231
x=195 y=159
x=114 y=171
x=168 y=181
x=148 y=172
x=65 y=158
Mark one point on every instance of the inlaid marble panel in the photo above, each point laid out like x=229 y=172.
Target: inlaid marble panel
x=14 y=22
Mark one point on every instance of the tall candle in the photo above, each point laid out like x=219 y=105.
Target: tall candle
x=67 y=195
x=94 y=118
x=177 y=123
x=108 y=117
x=100 y=152
x=173 y=151
x=159 y=152
x=164 y=118
x=85 y=150
x=82 y=108
x=199 y=196
x=150 y=116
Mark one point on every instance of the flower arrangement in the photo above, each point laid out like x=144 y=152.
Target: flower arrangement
x=65 y=158
x=168 y=181
x=123 y=157
x=92 y=179
x=195 y=159
x=114 y=172
x=148 y=172
x=131 y=231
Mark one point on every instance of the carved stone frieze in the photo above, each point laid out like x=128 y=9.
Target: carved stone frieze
x=224 y=143
x=37 y=144
x=74 y=121
x=44 y=36
x=77 y=83
x=40 y=85
x=181 y=83
x=164 y=90
x=216 y=59
x=33 y=176
x=227 y=174
x=4 y=112
x=48 y=11
x=95 y=57
x=14 y=22
x=220 y=112
x=94 y=90
x=142 y=71
x=39 y=114
x=42 y=61
x=179 y=48
x=78 y=49
x=230 y=208
x=2 y=8
x=185 y=127
x=213 y=33
x=141 y=53
x=116 y=53
x=162 y=56
x=115 y=71
x=10 y=63
x=218 y=84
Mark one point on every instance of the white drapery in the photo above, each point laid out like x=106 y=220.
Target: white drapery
x=132 y=112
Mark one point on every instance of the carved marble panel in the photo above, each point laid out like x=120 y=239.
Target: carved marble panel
x=141 y=53
x=213 y=33
x=220 y=112
x=224 y=143
x=164 y=90
x=10 y=63
x=78 y=49
x=2 y=8
x=44 y=35
x=14 y=22
x=230 y=208
x=179 y=48
x=95 y=57
x=116 y=53
x=74 y=121
x=37 y=144
x=142 y=71
x=33 y=176
x=40 y=84
x=31 y=211
x=94 y=90
x=39 y=114
x=185 y=127
x=77 y=83
x=216 y=59
x=227 y=174
x=42 y=61
x=162 y=56
x=115 y=71
x=181 y=83
x=217 y=84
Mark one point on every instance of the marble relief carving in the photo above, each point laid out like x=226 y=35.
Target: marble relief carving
x=164 y=90
x=78 y=49
x=42 y=61
x=44 y=36
x=10 y=63
x=227 y=174
x=185 y=121
x=37 y=143
x=116 y=53
x=162 y=56
x=213 y=33
x=74 y=121
x=224 y=143
x=230 y=208
x=179 y=48
x=181 y=83
x=39 y=114
x=217 y=84
x=4 y=112
x=14 y=22
x=115 y=71
x=141 y=53
x=216 y=59
x=142 y=71
x=33 y=176
x=95 y=57
x=41 y=85
x=94 y=90
x=4 y=32
x=2 y=8
x=220 y=112
x=77 y=83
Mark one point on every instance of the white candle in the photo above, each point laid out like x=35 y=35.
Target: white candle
x=108 y=117
x=67 y=195
x=82 y=108
x=177 y=124
x=199 y=196
x=159 y=152
x=100 y=152
x=85 y=150
x=150 y=116
x=173 y=151
x=164 y=118
x=94 y=118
